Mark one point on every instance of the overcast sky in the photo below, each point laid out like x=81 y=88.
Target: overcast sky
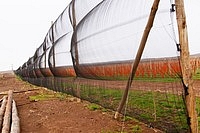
x=24 y=24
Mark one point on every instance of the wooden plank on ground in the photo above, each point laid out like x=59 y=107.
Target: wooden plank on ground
x=15 y=126
x=2 y=110
x=7 y=115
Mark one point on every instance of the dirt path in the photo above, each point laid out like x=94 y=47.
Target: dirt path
x=61 y=115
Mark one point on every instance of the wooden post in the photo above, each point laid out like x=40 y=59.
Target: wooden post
x=75 y=36
x=75 y=56
x=45 y=58
x=53 y=45
x=138 y=56
x=73 y=15
x=186 y=68
x=53 y=52
x=7 y=115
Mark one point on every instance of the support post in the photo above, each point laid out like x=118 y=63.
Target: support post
x=53 y=45
x=45 y=58
x=138 y=56
x=75 y=36
x=189 y=95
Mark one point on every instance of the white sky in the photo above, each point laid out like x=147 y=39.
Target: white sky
x=24 y=24
x=192 y=9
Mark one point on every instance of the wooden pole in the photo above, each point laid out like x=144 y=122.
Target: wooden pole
x=75 y=36
x=74 y=52
x=53 y=45
x=45 y=58
x=15 y=126
x=7 y=115
x=138 y=56
x=2 y=110
x=186 y=68
x=73 y=15
x=53 y=52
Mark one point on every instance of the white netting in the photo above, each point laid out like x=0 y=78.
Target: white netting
x=62 y=25
x=63 y=30
x=83 y=7
x=62 y=51
x=113 y=31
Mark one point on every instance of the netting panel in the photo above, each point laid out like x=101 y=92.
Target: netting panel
x=83 y=7
x=62 y=32
x=43 y=60
x=62 y=51
x=62 y=25
x=40 y=50
x=117 y=34
x=47 y=41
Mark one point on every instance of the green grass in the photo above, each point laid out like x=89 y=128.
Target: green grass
x=46 y=96
x=136 y=129
x=163 y=109
x=93 y=106
x=159 y=79
x=197 y=74
x=127 y=118
x=198 y=111
x=145 y=78
x=150 y=107
x=41 y=97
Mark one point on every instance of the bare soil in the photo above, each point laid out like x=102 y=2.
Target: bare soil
x=61 y=116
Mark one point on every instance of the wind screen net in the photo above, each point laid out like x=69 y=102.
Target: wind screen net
x=30 y=68
x=47 y=41
x=44 y=67
x=90 y=50
x=104 y=47
x=62 y=32
x=62 y=51
x=37 y=67
x=62 y=25
x=23 y=71
x=40 y=50
x=107 y=40
x=82 y=8
x=59 y=58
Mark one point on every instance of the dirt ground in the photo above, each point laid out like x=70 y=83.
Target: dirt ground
x=62 y=116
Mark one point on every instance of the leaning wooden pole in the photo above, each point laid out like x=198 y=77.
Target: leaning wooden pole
x=186 y=68
x=138 y=56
